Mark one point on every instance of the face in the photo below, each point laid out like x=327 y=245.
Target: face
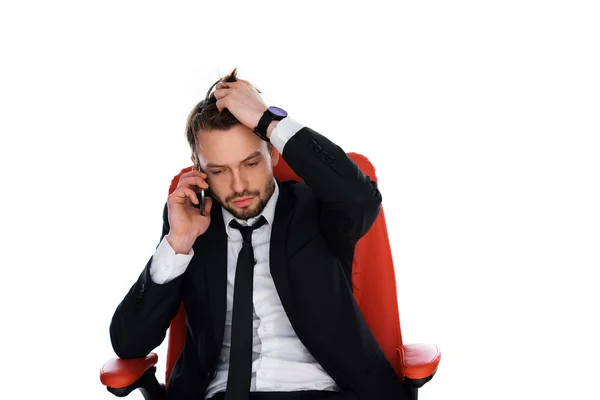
x=239 y=168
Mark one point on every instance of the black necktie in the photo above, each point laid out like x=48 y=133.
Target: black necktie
x=240 y=356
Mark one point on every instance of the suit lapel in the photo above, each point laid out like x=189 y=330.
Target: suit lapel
x=278 y=263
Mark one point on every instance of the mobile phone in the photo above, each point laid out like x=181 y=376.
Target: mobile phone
x=202 y=194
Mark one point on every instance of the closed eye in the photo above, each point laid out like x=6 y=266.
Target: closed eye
x=252 y=164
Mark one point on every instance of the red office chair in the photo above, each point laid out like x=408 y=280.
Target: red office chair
x=374 y=287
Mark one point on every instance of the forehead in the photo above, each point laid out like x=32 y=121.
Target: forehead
x=228 y=147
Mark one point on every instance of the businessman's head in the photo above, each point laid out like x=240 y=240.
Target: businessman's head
x=238 y=163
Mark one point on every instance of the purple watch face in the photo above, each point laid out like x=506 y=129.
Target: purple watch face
x=278 y=111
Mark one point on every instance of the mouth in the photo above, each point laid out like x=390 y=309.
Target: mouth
x=243 y=202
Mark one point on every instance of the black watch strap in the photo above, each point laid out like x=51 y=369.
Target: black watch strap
x=263 y=124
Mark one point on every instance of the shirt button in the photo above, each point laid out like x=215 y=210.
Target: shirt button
x=265 y=328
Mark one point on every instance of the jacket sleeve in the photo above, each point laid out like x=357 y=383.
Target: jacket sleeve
x=141 y=320
x=350 y=201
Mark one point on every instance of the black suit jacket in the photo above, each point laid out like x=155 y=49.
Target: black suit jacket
x=316 y=226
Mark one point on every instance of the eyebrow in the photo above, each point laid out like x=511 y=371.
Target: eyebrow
x=251 y=156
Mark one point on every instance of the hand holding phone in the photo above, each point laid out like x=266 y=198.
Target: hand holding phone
x=185 y=220
x=201 y=194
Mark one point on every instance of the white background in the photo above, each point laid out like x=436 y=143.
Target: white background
x=481 y=117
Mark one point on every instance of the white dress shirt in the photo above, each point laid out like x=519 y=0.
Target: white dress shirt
x=280 y=362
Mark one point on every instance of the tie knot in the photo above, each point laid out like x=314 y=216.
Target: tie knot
x=246 y=231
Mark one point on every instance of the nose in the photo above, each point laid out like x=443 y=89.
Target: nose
x=239 y=184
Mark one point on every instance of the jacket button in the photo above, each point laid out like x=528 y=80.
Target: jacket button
x=330 y=159
x=318 y=149
x=312 y=143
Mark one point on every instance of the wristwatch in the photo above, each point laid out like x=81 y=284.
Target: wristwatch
x=271 y=114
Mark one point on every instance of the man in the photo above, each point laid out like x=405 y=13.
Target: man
x=265 y=274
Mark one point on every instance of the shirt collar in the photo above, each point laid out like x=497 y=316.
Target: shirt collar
x=268 y=212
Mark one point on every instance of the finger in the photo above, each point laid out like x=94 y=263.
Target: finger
x=182 y=195
x=193 y=181
x=222 y=85
x=190 y=194
x=221 y=93
x=197 y=175
x=221 y=104
x=207 y=205
x=194 y=173
x=249 y=85
x=199 y=171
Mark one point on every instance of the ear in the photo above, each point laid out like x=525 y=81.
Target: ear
x=274 y=156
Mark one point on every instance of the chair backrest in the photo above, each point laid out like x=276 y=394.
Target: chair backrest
x=373 y=279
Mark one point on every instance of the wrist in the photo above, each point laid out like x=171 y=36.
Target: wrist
x=270 y=128
x=268 y=121
x=180 y=243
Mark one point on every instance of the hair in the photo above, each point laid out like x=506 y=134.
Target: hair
x=206 y=116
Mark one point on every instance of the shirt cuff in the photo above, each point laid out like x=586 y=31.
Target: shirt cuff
x=285 y=129
x=166 y=265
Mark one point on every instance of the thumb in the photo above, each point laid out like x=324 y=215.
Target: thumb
x=208 y=201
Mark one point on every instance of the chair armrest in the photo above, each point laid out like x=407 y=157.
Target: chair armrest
x=120 y=373
x=418 y=361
